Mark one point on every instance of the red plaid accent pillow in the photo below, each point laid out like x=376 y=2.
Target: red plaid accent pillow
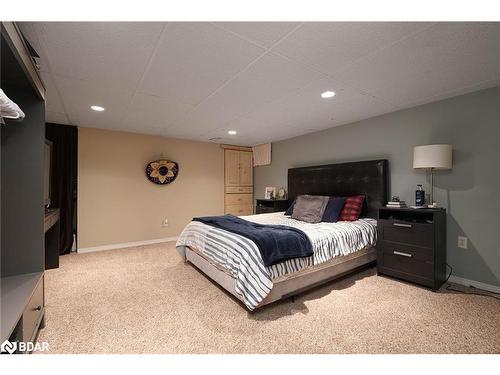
x=352 y=208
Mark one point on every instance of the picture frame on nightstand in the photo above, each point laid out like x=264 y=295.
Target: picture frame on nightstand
x=270 y=193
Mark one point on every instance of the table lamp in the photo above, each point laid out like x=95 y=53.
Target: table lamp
x=432 y=157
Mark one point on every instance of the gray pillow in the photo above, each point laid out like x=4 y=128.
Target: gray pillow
x=309 y=208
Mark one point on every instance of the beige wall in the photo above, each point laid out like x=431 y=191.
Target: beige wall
x=118 y=204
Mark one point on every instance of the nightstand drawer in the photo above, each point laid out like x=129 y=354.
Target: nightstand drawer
x=418 y=234
x=271 y=205
x=421 y=254
x=263 y=210
x=401 y=264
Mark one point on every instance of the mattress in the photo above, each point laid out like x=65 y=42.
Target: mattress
x=240 y=257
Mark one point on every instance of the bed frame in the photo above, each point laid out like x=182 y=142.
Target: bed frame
x=369 y=178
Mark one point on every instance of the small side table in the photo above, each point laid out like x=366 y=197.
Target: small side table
x=265 y=206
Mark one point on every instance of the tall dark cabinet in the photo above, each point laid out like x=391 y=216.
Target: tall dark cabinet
x=22 y=211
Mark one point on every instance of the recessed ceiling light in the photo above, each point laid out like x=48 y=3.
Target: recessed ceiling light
x=328 y=94
x=97 y=108
x=232 y=132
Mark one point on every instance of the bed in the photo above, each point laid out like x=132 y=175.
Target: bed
x=234 y=262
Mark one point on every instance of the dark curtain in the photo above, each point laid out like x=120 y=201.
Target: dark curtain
x=63 y=183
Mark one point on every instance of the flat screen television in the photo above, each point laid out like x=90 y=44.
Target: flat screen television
x=47 y=173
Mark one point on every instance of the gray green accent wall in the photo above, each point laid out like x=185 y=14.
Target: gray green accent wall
x=470 y=191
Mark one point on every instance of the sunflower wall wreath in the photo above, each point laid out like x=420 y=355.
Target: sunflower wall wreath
x=162 y=172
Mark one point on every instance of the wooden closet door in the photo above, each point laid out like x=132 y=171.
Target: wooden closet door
x=231 y=167
x=246 y=168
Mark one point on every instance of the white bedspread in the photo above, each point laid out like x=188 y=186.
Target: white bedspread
x=241 y=257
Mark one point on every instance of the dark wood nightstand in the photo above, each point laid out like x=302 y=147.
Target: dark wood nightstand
x=411 y=245
x=265 y=206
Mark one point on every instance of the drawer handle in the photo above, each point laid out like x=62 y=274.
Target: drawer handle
x=38 y=308
x=402 y=254
x=402 y=225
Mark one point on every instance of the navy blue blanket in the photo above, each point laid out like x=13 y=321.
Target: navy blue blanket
x=276 y=243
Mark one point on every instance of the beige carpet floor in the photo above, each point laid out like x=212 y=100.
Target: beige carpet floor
x=145 y=300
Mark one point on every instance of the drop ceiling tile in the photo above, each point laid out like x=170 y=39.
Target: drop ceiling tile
x=270 y=78
x=79 y=95
x=245 y=127
x=287 y=133
x=99 y=122
x=445 y=57
x=251 y=132
x=56 y=118
x=301 y=111
x=305 y=109
x=221 y=136
x=455 y=92
x=185 y=133
x=276 y=134
x=263 y=33
x=194 y=59
x=205 y=119
x=141 y=128
x=153 y=111
x=331 y=46
x=107 y=53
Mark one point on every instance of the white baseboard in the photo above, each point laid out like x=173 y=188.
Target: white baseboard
x=475 y=284
x=124 y=245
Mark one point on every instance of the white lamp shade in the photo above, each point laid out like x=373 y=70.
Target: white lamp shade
x=432 y=156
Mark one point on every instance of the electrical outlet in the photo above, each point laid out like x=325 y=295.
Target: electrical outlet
x=165 y=223
x=462 y=242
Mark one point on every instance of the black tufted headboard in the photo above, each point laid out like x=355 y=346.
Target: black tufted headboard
x=363 y=177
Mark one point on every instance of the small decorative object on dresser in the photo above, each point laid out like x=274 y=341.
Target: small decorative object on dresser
x=281 y=194
x=411 y=245
x=419 y=197
x=265 y=206
x=270 y=193
x=395 y=202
